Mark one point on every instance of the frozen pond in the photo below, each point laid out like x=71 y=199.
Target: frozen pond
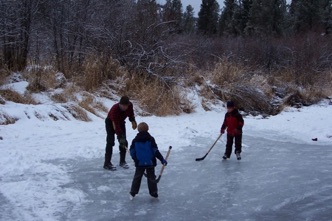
x=273 y=181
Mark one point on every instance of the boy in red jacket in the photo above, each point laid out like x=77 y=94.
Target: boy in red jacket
x=233 y=122
x=115 y=125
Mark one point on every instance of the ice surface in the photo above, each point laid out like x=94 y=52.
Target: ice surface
x=52 y=170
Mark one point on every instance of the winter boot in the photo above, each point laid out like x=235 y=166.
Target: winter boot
x=124 y=165
x=238 y=156
x=109 y=166
x=154 y=195
x=107 y=163
x=225 y=157
x=123 y=162
x=132 y=195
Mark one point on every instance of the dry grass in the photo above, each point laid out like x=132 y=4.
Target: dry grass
x=2 y=100
x=71 y=91
x=100 y=106
x=90 y=104
x=4 y=73
x=11 y=95
x=6 y=119
x=40 y=78
x=226 y=73
x=77 y=112
x=156 y=97
x=86 y=103
x=98 y=69
x=59 y=98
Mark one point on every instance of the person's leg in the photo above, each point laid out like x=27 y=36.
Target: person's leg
x=229 y=145
x=123 y=149
x=136 y=184
x=238 y=143
x=153 y=188
x=109 y=142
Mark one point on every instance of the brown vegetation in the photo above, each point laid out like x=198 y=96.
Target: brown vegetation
x=5 y=119
x=77 y=112
x=40 y=78
x=11 y=95
x=156 y=96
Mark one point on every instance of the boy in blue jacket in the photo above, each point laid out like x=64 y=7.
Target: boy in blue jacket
x=144 y=152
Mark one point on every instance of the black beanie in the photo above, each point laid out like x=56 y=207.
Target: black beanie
x=124 y=100
x=230 y=104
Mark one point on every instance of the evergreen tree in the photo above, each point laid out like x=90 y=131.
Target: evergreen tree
x=311 y=15
x=189 y=20
x=208 y=17
x=173 y=14
x=266 y=17
x=242 y=15
x=327 y=16
x=227 y=22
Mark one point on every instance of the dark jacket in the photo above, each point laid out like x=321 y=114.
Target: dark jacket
x=233 y=122
x=144 y=150
x=117 y=116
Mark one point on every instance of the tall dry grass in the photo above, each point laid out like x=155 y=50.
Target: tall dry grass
x=5 y=119
x=41 y=78
x=4 y=73
x=258 y=90
x=156 y=96
x=98 y=69
x=11 y=95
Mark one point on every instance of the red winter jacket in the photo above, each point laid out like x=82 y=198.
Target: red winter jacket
x=117 y=116
x=233 y=122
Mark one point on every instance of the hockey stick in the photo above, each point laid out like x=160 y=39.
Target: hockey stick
x=202 y=158
x=162 y=169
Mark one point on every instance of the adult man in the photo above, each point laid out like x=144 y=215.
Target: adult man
x=115 y=124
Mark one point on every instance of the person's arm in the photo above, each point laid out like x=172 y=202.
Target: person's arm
x=241 y=122
x=131 y=115
x=224 y=125
x=157 y=152
x=130 y=112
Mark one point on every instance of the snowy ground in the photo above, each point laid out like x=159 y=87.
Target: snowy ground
x=52 y=170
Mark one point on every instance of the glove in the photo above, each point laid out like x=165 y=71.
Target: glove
x=134 y=125
x=164 y=162
x=122 y=141
x=222 y=131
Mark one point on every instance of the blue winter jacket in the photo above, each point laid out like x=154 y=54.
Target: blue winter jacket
x=144 y=150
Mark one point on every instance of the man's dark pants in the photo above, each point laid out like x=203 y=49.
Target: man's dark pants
x=110 y=142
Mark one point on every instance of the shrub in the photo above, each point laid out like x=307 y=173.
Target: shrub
x=6 y=119
x=40 y=78
x=97 y=69
x=11 y=95
x=156 y=96
x=77 y=112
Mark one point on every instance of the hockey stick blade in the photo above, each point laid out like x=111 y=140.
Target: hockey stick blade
x=202 y=158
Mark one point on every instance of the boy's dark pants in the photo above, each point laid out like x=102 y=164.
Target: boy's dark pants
x=136 y=184
x=229 y=144
x=110 y=142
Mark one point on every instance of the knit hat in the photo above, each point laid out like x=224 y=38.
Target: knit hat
x=143 y=127
x=230 y=104
x=124 y=100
